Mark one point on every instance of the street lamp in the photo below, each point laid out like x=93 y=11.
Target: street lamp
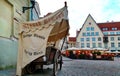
x=26 y=8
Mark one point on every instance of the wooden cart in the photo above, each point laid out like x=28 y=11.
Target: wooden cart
x=52 y=56
x=35 y=39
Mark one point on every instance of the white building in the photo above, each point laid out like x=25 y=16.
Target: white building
x=99 y=35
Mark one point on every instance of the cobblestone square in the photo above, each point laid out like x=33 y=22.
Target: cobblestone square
x=78 y=68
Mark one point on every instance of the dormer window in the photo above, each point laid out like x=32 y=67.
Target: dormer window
x=105 y=29
x=114 y=28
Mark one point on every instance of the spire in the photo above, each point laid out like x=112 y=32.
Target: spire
x=65 y=4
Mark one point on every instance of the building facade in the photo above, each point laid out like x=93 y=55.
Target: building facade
x=11 y=16
x=99 y=35
x=35 y=12
x=71 y=42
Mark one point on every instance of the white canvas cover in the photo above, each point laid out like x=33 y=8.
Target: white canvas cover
x=34 y=36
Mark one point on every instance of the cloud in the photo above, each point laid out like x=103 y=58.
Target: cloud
x=101 y=10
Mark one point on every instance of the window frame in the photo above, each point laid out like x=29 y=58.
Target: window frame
x=118 y=38
x=118 y=44
x=82 y=45
x=92 y=28
x=93 y=39
x=88 y=45
x=112 y=44
x=88 y=39
x=112 y=38
x=99 y=39
x=96 y=33
x=100 y=45
x=93 y=45
x=82 y=39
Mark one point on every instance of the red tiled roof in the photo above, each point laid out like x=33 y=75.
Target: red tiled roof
x=72 y=39
x=109 y=25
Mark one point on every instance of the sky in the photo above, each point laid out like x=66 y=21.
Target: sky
x=78 y=10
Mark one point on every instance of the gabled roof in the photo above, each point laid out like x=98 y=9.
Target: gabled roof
x=77 y=32
x=109 y=25
x=89 y=16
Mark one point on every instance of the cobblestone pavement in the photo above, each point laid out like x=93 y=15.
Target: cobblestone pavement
x=80 y=68
x=91 y=68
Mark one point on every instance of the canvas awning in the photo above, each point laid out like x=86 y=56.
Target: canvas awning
x=34 y=36
x=59 y=31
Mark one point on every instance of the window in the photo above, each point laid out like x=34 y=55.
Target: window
x=112 y=38
x=105 y=33
x=119 y=38
x=94 y=45
x=112 y=44
x=93 y=39
x=87 y=39
x=82 y=39
x=118 y=44
x=111 y=33
x=83 y=34
x=100 y=45
x=104 y=29
x=113 y=50
x=118 y=33
x=88 y=45
x=88 y=33
x=92 y=33
x=82 y=45
x=114 y=28
x=71 y=45
x=88 y=29
x=106 y=46
x=92 y=28
x=97 y=33
x=99 y=38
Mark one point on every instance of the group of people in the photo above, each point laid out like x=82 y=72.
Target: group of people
x=88 y=54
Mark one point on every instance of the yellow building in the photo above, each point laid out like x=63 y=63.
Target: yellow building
x=11 y=15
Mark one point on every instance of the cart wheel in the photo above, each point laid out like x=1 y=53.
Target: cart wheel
x=55 y=67
x=24 y=71
x=60 y=62
x=30 y=68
